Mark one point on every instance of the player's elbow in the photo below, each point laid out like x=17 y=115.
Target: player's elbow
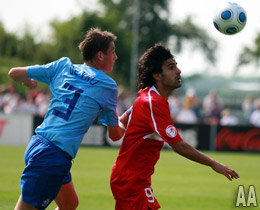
x=115 y=137
x=115 y=133
x=17 y=73
x=12 y=73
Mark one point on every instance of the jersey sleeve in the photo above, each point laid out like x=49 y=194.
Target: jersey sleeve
x=108 y=115
x=45 y=73
x=163 y=124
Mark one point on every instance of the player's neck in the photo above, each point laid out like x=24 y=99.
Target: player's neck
x=163 y=91
x=96 y=64
x=92 y=64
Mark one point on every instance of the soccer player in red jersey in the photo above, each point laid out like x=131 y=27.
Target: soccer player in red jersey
x=149 y=126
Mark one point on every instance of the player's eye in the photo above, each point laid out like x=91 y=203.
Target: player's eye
x=172 y=67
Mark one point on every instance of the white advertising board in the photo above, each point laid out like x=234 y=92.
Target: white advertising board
x=15 y=129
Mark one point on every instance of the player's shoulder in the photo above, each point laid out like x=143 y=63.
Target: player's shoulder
x=155 y=99
x=64 y=60
x=107 y=80
x=153 y=94
x=60 y=63
x=148 y=96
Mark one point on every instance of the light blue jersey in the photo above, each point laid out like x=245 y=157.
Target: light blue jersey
x=80 y=95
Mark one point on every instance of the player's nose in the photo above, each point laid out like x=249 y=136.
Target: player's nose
x=116 y=57
x=179 y=71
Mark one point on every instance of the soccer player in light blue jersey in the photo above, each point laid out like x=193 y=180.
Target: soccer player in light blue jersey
x=81 y=94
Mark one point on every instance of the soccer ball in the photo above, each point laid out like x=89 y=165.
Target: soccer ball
x=230 y=18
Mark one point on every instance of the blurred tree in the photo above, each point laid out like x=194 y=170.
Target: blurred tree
x=197 y=37
x=250 y=55
x=115 y=16
x=66 y=37
x=154 y=27
x=26 y=47
x=8 y=43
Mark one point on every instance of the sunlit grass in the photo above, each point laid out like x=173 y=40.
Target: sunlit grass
x=178 y=183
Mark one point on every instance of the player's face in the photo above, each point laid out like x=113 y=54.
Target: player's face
x=109 y=58
x=171 y=74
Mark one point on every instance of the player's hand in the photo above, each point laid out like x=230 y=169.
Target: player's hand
x=30 y=83
x=226 y=171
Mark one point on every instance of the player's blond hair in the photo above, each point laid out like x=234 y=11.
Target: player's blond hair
x=95 y=40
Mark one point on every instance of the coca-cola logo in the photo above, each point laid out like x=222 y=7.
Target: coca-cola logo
x=227 y=139
x=3 y=122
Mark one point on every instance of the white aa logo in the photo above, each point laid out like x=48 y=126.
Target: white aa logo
x=246 y=201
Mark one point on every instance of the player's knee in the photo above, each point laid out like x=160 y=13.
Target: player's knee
x=76 y=203
x=72 y=205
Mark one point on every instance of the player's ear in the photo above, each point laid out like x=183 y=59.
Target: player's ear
x=100 y=55
x=157 y=76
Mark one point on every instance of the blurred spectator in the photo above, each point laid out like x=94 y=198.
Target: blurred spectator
x=255 y=116
x=248 y=106
x=174 y=105
x=186 y=115
x=215 y=114
x=227 y=118
x=2 y=89
x=182 y=111
x=10 y=99
x=125 y=100
x=27 y=106
x=212 y=107
x=192 y=99
x=42 y=100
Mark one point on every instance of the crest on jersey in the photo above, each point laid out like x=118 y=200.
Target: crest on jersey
x=171 y=131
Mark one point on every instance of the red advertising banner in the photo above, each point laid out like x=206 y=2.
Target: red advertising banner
x=200 y=136
x=238 y=138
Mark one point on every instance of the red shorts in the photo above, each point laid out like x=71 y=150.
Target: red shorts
x=143 y=200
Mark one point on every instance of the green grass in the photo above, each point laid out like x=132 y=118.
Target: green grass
x=178 y=183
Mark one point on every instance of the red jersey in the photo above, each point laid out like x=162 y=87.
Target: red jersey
x=149 y=126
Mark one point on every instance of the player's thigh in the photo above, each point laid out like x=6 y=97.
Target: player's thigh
x=21 y=205
x=46 y=169
x=67 y=197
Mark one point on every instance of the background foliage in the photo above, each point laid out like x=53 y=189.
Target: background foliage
x=116 y=16
x=154 y=27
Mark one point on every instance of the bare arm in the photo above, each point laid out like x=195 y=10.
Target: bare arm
x=191 y=153
x=117 y=132
x=19 y=74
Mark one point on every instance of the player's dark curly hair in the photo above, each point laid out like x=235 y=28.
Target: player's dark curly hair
x=95 y=40
x=151 y=63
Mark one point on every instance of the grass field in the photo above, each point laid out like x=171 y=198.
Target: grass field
x=178 y=183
